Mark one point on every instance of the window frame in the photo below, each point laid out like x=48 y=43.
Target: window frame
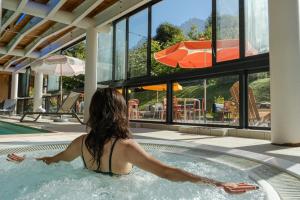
x=242 y=67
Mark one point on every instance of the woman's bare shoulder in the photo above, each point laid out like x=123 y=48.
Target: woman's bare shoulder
x=127 y=143
x=78 y=140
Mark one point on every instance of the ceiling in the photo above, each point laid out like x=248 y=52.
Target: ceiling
x=33 y=29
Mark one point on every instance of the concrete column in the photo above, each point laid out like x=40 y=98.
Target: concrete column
x=38 y=90
x=90 y=82
x=14 y=87
x=285 y=71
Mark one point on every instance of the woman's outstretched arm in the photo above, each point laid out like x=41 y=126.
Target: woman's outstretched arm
x=136 y=155
x=69 y=154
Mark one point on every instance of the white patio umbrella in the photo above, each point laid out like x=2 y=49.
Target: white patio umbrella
x=60 y=65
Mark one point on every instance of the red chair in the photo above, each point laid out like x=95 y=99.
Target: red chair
x=133 y=108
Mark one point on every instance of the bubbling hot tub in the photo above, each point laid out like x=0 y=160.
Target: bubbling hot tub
x=34 y=180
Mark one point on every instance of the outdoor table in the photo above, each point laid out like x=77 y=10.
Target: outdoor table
x=186 y=105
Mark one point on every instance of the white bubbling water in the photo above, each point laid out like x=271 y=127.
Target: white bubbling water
x=64 y=181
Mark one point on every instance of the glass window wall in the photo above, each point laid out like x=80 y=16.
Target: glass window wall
x=181 y=36
x=147 y=103
x=228 y=43
x=256 y=27
x=259 y=102
x=137 y=44
x=105 y=55
x=120 y=50
x=207 y=101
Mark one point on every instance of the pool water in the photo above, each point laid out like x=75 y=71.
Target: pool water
x=63 y=181
x=10 y=128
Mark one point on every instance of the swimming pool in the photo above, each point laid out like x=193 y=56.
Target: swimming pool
x=33 y=180
x=7 y=128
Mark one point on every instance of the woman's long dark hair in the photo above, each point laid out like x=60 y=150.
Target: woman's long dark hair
x=108 y=119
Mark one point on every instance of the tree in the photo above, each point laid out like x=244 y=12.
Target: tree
x=229 y=28
x=168 y=34
x=137 y=60
x=194 y=33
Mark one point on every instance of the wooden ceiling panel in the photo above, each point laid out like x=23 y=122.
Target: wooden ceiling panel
x=13 y=29
x=71 y=5
x=5 y=59
x=53 y=38
x=35 y=33
x=105 y=4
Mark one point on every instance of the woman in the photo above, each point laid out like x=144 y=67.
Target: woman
x=109 y=149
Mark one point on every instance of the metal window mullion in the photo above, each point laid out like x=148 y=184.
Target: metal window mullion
x=149 y=41
x=114 y=53
x=126 y=92
x=242 y=28
x=214 y=32
x=243 y=98
x=169 y=111
x=127 y=74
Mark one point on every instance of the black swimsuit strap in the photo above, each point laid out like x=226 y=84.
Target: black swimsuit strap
x=110 y=156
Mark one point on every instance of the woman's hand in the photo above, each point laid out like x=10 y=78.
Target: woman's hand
x=15 y=158
x=237 y=188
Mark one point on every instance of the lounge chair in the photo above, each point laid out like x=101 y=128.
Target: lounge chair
x=254 y=115
x=65 y=109
x=9 y=106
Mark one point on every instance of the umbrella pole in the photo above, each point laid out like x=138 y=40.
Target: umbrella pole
x=204 y=101
x=61 y=83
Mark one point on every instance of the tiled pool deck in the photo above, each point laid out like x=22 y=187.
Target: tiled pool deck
x=65 y=132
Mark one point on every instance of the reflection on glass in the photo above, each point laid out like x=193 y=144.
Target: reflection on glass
x=207 y=101
x=227 y=30
x=259 y=104
x=256 y=27
x=53 y=83
x=120 y=50
x=147 y=102
x=138 y=36
x=104 y=64
x=181 y=36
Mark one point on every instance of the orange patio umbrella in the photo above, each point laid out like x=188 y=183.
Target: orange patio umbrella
x=197 y=54
x=162 y=87
x=228 y=50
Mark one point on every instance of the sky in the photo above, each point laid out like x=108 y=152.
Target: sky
x=179 y=11
x=176 y=12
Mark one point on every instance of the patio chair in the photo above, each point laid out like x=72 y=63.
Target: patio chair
x=176 y=108
x=158 y=111
x=65 y=109
x=254 y=115
x=9 y=106
x=133 y=108
x=196 y=109
x=230 y=111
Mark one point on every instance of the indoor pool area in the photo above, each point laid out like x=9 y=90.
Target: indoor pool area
x=70 y=180
x=7 y=128
x=173 y=99
x=233 y=159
